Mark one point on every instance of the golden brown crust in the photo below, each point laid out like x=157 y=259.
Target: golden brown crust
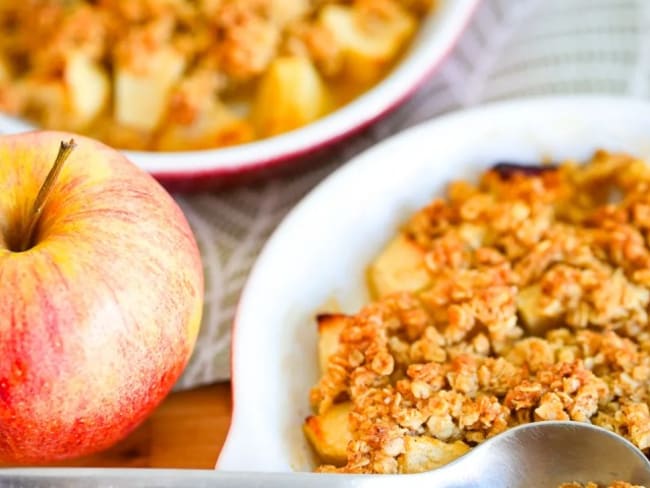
x=466 y=358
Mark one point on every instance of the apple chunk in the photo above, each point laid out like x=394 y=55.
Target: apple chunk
x=290 y=95
x=427 y=453
x=283 y=13
x=88 y=88
x=400 y=267
x=369 y=44
x=529 y=305
x=5 y=69
x=329 y=330
x=142 y=95
x=73 y=101
x=329 y=433
x=214 y=126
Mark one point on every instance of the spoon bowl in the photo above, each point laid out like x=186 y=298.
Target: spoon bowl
x=546 y=454
x=540 y=455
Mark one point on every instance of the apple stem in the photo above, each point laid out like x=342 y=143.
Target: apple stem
x=64 y=151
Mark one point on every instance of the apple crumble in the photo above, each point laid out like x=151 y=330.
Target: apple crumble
x=191 y=74
x=518 y=299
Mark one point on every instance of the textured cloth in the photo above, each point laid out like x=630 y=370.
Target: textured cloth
x=512 y=48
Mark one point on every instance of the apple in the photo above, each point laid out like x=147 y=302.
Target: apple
x=101 y=295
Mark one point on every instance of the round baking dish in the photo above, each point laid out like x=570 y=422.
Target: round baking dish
x=319 y=254
x=189 y=170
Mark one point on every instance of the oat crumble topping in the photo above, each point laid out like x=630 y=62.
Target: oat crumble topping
x=534 y=306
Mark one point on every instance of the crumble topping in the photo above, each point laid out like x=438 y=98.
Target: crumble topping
x=535 y=309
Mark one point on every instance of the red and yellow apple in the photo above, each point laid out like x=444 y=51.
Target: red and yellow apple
x=100 y=310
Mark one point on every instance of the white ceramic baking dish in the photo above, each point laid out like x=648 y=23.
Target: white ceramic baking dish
x=320 y=252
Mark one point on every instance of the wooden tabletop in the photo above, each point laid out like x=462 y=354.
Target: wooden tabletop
x=186 y=431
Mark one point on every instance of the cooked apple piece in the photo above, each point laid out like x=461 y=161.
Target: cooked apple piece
x=472 y=234
x=142 y=93
x=535 y=318
x=105 y=128
x=218 y=130
x=370 y=42
x=47 y=101
x=88 y=88
x=400 y=267
x=5 y=69
x=427 y=453
x=282 y=12
x=291 y=94
x=72 y=102
x=213 y=126
x=329 y=433
x=329 y=330
x=197 y=118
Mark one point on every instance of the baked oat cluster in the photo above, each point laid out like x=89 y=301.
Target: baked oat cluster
x=522 y=298
x=191 y=74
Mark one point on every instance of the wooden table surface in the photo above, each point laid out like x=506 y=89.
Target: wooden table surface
x=186 y=431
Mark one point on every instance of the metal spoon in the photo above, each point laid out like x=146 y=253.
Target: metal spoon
x=538 y=455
